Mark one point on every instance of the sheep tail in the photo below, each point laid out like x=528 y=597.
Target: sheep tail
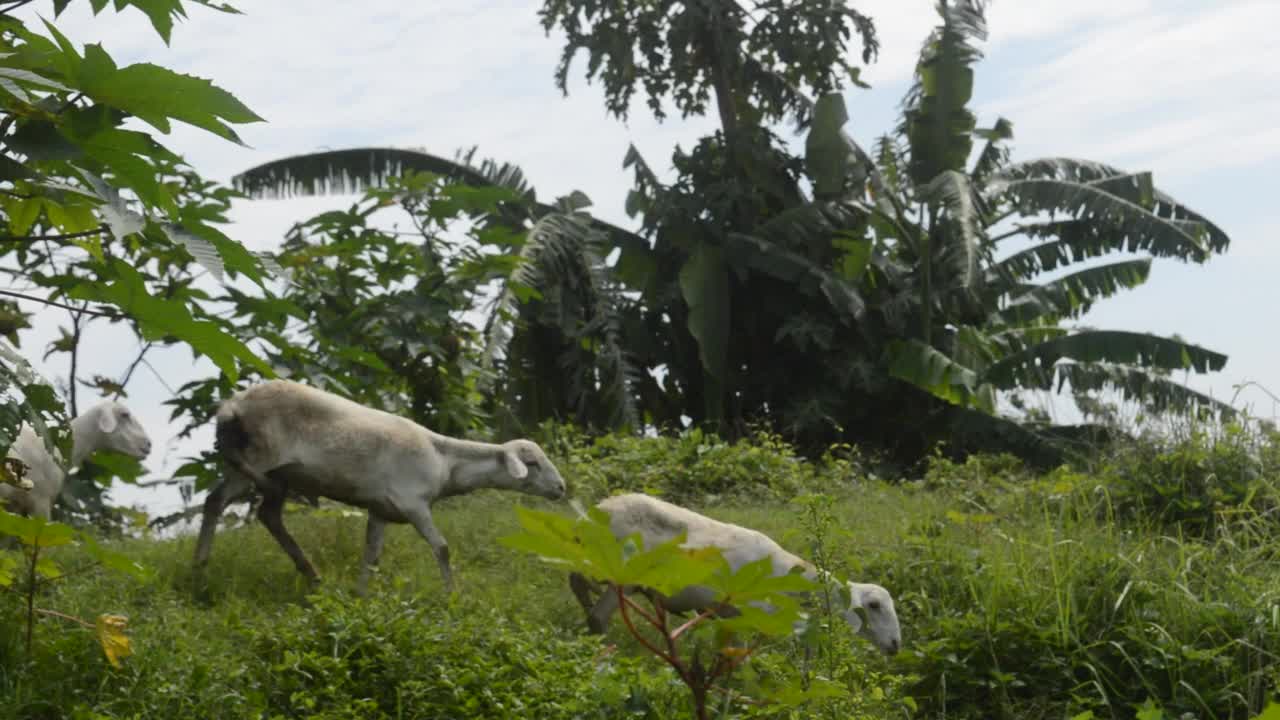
x=231 y=439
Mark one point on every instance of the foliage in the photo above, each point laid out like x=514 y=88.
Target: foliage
x=705 y=650
x=101 y=219
x=339 y=659
x=36 y=570
x=1021 y=594
x=552 y=313
x=695 y=466
x=1204 y=483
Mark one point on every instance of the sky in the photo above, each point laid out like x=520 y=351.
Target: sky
x=1188 y=89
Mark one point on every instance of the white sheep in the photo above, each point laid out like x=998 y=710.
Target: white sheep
x=108 y=425
x=283 y=436
x=658 y=521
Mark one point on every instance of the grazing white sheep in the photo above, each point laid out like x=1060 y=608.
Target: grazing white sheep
x=286 y=437
x=658 y=521
x=108 y=425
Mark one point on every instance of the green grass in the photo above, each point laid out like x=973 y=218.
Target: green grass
x=1019 y=597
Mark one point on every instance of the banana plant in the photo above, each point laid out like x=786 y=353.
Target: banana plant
x=988 y=319
x=554 y=324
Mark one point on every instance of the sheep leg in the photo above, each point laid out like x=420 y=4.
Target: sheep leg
x=233 y=486
x=599 y=616
x=271 y=513
x=426 y=527
x=374 y=534
x=583 y=589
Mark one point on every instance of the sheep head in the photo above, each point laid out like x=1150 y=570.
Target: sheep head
x=875 y=604
x=532 y=471
x=109 y=426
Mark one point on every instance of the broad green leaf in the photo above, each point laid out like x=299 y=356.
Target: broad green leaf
x=34 y=531
x=1114 y=214
x=48 y=569
x=22 y=214
x=936 y=119
x=156 y=95
x=753 y=619
x=9 y=565
x=1106 y=346
x=1072 y=295
x=827 y=156
x=704 y=282
x=792 y=267
x=110 y=559
x=856 y=258
x=932 y=371
x=158 y=319
x=1136 y=384
x=794 y=695
x=951 y=191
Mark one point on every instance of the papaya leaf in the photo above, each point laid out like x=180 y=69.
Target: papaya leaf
x=158 y=319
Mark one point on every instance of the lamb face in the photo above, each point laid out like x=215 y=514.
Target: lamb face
x=531 y=468
x=876 y=604
x=121 y=430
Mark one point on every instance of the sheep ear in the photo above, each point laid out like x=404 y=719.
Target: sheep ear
x=106 y=420
x=853 y=616
x=856 y=615
x=515 y=465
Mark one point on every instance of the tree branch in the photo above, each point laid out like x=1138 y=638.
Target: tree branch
x=134 y=365
x=67 y=236
x=160 y=377
x=54 y=303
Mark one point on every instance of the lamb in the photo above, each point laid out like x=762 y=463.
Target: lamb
x=108 y=425
x=282 y=436
x=658 y=521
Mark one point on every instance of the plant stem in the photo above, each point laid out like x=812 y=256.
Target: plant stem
x=75 y=357
x=63 y=616
x=31 y=595
x=55 y=303
x=67 y=236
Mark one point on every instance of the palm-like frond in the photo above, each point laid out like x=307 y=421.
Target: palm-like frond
x=936 y=120
x=1089 y=172
x=1128 y=223
x=1034 y=365
x=792 y=267
x=354 y=170
x=950 y=190
x=930 y=370
x=1072 y=295
x=1136 y=384
x=995 y=154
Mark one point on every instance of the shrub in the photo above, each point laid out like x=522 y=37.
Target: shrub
x=1197 y=482
x=694 y=466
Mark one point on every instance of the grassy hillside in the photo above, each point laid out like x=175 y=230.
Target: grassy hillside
x=1019 y=595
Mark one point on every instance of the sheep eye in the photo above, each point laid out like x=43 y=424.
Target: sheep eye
x=873 y=605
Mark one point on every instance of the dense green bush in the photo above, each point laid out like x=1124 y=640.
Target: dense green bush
x=424 y=659
x=1021 y=595
x=694 y=466
x=1199 y=481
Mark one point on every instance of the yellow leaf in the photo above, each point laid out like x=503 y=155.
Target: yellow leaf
x=111 y=633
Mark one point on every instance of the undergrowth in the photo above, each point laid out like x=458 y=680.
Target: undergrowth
x=1021 y=595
